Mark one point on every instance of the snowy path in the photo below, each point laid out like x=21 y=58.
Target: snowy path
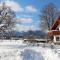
x=28 y=53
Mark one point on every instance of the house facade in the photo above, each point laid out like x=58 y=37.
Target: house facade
x=54 y=32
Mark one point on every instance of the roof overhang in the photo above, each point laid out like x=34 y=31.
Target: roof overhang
x=53 y=33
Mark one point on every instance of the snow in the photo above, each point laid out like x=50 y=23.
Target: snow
x=11 y=42
x=30 y=54
x=23 y=52
x=44 y=53
x=9 y=54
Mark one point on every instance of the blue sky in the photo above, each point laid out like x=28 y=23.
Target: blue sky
x=27 y=12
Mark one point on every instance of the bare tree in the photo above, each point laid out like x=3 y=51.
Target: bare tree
x=48 y=15
x=7 y=17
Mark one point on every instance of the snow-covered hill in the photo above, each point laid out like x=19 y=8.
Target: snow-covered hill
x=14 y=51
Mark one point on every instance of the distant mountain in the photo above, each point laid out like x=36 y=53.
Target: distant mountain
x=37 y=34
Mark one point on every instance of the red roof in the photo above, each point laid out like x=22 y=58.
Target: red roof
x=56 y=23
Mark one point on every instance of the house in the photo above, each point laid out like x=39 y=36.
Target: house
x=54 y=32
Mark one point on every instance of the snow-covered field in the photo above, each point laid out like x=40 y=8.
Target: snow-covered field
x=19 y=51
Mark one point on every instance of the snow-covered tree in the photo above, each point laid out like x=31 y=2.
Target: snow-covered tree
x=7 y=17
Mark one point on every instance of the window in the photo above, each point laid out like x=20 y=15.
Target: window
x=58 y=29
x=57 y=38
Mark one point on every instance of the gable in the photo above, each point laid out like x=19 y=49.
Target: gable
x=56 y=24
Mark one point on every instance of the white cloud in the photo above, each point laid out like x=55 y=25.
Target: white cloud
x=14 y=6
x=18 y=8
x=25 y=15
x=30 y=8
x=24 y=20
x=24 y=28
